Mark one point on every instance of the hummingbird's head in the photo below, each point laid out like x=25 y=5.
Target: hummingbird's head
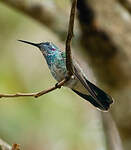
x=46 y=48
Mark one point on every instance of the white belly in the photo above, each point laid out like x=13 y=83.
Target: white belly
x=60 y=73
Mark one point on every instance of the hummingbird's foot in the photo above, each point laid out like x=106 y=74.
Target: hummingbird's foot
x=57 y=86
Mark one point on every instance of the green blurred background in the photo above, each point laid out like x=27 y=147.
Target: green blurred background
x=59 y=120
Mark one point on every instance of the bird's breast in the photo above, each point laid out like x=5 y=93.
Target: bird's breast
x=58 y=71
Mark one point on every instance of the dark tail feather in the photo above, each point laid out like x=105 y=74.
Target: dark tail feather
x=102 y=105
x=100 y=94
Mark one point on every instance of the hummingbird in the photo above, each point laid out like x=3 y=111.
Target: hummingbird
x=78 y=83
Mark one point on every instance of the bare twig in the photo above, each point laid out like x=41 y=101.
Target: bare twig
x=37 y=94
x=68 y=62
x=51 y=89
x=69 y=38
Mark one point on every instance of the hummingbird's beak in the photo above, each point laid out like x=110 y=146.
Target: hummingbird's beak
x=34 y=44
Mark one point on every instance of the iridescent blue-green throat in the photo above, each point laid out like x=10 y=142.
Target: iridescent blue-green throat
x=56 y=60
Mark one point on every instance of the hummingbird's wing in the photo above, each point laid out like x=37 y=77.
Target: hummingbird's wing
x=88 y=90
x=96 y=96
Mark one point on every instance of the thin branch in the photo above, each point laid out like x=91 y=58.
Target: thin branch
x=69 y=38
x=37 y=94
x=51 y=89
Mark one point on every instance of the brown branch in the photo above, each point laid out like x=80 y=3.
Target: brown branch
x=37 y=94
x=69 y=38
x=61 y=83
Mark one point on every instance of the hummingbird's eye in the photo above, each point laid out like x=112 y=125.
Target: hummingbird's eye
x=47 y=43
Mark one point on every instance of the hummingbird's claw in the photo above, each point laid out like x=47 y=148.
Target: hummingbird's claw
x=57 y=86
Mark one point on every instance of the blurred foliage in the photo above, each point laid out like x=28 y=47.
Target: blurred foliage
x=59 y=120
